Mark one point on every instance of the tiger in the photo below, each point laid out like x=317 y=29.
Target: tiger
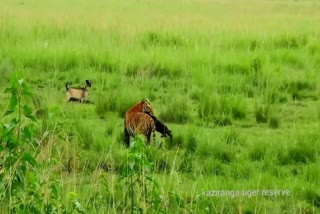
x=138 y=121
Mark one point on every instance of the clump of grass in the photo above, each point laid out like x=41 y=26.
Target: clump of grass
x=102 y=62
x=274 y=95
x=177 y=111
x=109 y=129
x=290 y=41
x=302 y=152
x=299 y=89
x=102 y=105
x=274 y=121
x=213 y=167
x=233 y=68
x=187 y=164
x=312 y=197
x=40 y=108
x=85 y=134
x=162 y=165
x=192 y=144
x=120 y=136
x=222 y=120
x=116 y=101
x=257 y=151
x=240 y=170
x=224 y=153
x=162 y=39
x=256 y=65
x=238 y=108
x=231 y=136
x=177 y=141
x=220 y=110
x=88 y=161
x=262 y=113
x=153 y=70
x=312 y=174
x=253 y=45
x=5 y=69
x=114 y=162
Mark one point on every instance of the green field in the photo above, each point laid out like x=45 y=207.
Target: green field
x=237 y=82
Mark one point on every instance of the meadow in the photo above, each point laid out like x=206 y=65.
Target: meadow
x=237 y=82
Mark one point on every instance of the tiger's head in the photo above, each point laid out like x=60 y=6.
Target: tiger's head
x=146 y=106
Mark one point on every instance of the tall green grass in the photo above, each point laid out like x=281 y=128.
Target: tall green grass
x=236 y=84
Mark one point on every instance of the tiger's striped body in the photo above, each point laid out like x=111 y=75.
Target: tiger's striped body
x=137 y=121
x=141 y=123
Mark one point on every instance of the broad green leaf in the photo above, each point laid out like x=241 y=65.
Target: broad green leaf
x=27 y=134
x=7 y=113
x=26 y=110
x=26 y=90
x=28 y=113
x=12 y=105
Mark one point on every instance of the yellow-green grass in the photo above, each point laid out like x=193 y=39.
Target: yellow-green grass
x=238 y=79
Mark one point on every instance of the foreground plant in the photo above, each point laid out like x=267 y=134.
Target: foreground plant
x=21 y=190
x=141 y=191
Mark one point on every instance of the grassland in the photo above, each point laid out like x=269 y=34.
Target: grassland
x=236 y=81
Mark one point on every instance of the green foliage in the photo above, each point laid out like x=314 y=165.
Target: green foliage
x=232 y=136
x=262 y=113
x=20 y=184
x=177 y=111
x=312 y=197
x=274 y=121
x=177 y=141
x=312 y=173
x=299 y=89
x=220 y=109
x=257 y=151
x=117 y=101
x=153 y=70
x=192 y=144
x=162 y=39
x=84 y=133
x=200 y=75
x=301 y=152
x=291 y=41
x=141 y=190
